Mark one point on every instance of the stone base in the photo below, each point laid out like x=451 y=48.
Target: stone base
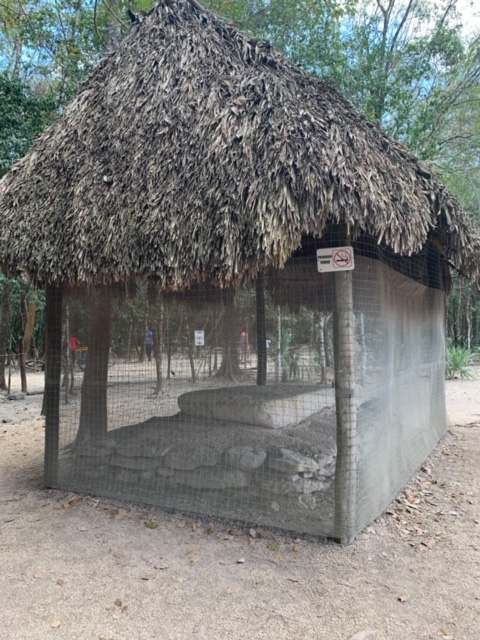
x=271 y=407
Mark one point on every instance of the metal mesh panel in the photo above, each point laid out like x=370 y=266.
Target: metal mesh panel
x=159 y=401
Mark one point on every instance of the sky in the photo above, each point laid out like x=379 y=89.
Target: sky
x=470 y=12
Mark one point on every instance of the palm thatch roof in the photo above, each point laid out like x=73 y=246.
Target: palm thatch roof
x=195 y=152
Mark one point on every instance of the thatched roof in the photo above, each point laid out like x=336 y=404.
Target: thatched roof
x=194 y=151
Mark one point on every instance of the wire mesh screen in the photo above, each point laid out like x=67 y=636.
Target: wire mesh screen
x=159 y=400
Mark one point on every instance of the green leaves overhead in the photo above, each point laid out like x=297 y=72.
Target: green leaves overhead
x=406 y=64
x=23 y=114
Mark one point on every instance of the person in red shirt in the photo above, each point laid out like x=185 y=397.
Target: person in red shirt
x=74 y=343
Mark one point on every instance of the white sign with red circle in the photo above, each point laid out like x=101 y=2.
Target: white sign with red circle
x=337 y=259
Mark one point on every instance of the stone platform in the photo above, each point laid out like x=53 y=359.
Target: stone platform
x=271 y=407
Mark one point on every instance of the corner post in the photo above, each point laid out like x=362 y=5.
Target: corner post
x=346 y=409
x=53 y=372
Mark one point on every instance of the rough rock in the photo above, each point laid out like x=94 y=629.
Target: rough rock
x=276 y=486
x=208 y=478
x=165 y=472
x=287 y=461
x=137 y=450
x=245 y=458
x=328 y=470
x=129 y=475
x=307 y=501
x=309 y=485
x=189 y=458
x=140 y=464
x=17 y=396
x=283 y=485
x=96 y=449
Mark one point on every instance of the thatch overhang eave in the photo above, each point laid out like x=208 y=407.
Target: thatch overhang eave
x=195 y=150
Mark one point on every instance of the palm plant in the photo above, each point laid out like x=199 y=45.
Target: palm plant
x=459 y=363
x=293 y=361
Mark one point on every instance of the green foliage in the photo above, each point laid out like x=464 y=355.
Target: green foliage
x=51 y=44
x=20 y=295
x=295 y=361
x=23 y=115
x=459 y=363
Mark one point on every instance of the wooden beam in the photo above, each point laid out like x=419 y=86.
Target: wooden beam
x=346 y=409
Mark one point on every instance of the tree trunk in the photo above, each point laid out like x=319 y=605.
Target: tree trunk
x=278 y=360
x=261 y=331
x=30 y=324
x=21 y=366
x=93 y=412
x=158 y=346
x=190 y=350
x=4 y=333
x=229 y=367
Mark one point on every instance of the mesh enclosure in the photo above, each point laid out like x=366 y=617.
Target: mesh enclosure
x=159 y=400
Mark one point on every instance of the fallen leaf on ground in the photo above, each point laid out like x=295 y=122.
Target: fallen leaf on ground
x=429 y=543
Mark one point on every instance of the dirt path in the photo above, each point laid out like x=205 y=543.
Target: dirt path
x=87 y=569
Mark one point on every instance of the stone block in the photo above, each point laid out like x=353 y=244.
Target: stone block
x=272 y=407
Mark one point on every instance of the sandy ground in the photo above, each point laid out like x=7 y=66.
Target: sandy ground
x=75 y=567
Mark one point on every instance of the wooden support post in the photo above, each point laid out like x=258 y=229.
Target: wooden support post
x=346 y=465
x=52 y=383
x=261 y=331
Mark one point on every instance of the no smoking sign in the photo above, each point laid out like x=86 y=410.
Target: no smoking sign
x=335 y=259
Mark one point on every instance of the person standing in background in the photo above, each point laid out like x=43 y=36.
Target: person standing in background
x=148 y=343
x=73 y=345
x=244 y=347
